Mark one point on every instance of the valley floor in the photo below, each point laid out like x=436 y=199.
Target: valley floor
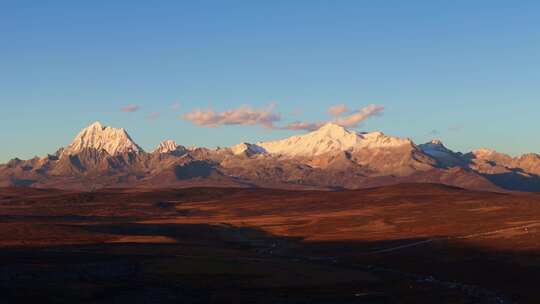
x=410 y=243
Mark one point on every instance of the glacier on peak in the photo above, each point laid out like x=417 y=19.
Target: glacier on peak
x=168 y=146
x=329 y=138
x=247 y=148
x=95 y=136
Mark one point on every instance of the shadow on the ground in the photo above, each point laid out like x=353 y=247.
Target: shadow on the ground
x=223 y=263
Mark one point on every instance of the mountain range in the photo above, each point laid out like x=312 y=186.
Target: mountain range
x=330 y=157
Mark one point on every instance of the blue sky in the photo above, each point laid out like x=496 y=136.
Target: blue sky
x=467 y=72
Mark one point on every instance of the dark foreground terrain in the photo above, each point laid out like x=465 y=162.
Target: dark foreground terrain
x=411 y=243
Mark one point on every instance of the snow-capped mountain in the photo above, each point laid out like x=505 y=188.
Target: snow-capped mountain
x=444 y=156
x=330 y=138
x=435 y=147
x=327 y=158
x=113 y=141
x=169 y=146
x=247 y=149
x=489 y=154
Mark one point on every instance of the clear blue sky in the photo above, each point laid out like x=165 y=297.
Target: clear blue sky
x=468 y=69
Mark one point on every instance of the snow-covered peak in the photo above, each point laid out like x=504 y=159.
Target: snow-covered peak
x=168 y=146
x=436 y=149
x=483 y=152
x=490 y=155
x=381 y=140
x=434 y=145
x=246 y=148
x=332 y=130
x=329 y=138
x=96 y=136
x=96 y=125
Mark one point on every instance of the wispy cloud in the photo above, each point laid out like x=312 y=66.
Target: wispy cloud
x=297 y=111
x=434 y=132
x=354 y=118
x=303 y=125
x=267 y=117
x=350 y=121
x=175 y=106
x=455 y=128
x=338 y=110
x=153 y=115
x=244 y=115
x=130 y=108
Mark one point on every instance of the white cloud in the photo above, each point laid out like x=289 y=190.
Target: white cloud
x=244 y=115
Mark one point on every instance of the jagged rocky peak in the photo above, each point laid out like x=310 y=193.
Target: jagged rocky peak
x=14 y=162
x=530 y=156
x=329 y=138
x=95 y=136
x=490 y=155
x=168 y=146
